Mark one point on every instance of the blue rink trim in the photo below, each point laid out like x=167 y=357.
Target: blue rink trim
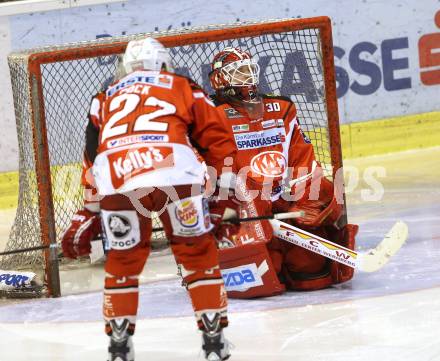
x=413 y=268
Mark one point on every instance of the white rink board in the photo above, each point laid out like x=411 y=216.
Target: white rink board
x=376 y=44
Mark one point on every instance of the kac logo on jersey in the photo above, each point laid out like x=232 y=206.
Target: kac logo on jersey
x=186 y=214
x=269 y=164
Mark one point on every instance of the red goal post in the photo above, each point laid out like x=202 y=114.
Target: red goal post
x=52 y=87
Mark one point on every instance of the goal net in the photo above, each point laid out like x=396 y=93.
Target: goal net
x=53 y=88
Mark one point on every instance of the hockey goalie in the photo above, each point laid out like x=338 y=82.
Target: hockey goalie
x=278 y=173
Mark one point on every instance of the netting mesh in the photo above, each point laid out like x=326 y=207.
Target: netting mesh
x=26 y=228
x=290 y=63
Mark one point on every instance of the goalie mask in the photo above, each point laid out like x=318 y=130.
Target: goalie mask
x=146 y=54
x=234 y=76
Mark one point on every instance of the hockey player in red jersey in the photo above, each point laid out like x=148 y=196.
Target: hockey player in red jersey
x=272 y=151
x=139 y=146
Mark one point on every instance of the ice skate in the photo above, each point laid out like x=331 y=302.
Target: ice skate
x=214 y=344
x=121 y=344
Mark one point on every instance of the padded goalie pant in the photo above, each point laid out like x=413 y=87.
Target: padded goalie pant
x=127 y=222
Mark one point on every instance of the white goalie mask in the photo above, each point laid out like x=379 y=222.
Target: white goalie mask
x=241 y=72
x=147 y=54
x=235 y=75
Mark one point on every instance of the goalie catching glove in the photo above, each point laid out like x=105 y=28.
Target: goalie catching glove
x=76 y=240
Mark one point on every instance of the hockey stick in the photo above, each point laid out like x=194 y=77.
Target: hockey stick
x=234 y=220
x=29 y=249
x=370 y=261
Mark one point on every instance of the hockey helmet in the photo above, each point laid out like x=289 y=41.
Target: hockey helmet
x=148 y=54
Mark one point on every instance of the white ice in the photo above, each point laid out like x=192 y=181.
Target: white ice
x=392 y=314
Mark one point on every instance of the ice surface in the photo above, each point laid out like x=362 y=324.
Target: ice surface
x=392 y=314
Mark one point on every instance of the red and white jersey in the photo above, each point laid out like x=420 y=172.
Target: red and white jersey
x=271 y=149
x=142 y=130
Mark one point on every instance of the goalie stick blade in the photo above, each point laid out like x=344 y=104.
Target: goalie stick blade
x=378 y=257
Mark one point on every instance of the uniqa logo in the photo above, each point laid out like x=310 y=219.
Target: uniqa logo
x=186 y=213
x=269 y=164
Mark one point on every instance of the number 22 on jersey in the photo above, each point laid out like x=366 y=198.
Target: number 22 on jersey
x=115 y=126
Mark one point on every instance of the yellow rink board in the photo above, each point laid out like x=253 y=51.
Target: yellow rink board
x=390 y=135
x=358 y=140
x=8 y=190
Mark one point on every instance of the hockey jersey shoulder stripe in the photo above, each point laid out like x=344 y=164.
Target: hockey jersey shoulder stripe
x=202 y=95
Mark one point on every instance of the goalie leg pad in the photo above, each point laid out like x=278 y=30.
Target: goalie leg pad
x=300 y=260
x=332 y=272
x=310 y=282
x=304 y=270
x=248 y=271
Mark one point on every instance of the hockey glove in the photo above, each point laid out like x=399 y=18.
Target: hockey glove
x=76 y=240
